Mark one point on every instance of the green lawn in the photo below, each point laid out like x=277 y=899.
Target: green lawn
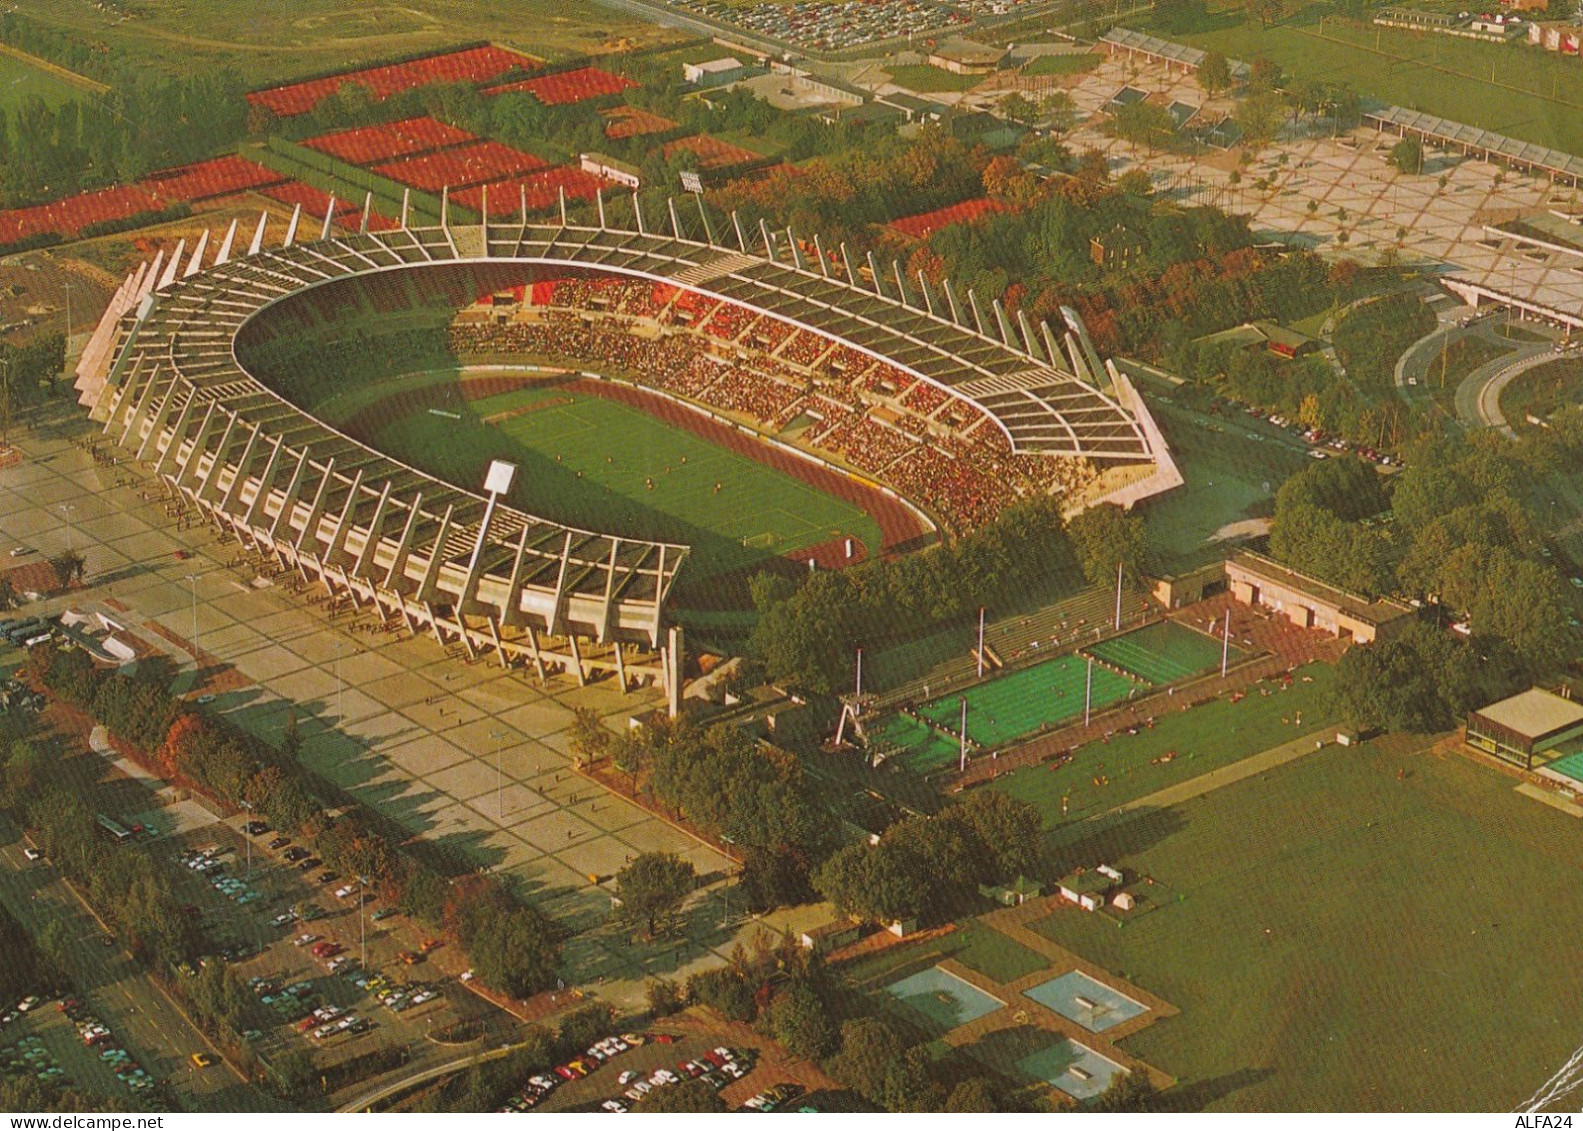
x=925 y=79
x=1230 y=478
x=1102 y=776
x=973 y=944
x=598 y=464
x=1535 y=95
x=1352 y=939
x=1541 y=390
x=20 y=80
x=1063 y=64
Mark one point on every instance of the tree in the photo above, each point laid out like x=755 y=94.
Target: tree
x=1408 y=155
x=587 y=736
x=1214 y=73
x=1009 y=829
x=869 y=1047
x=1019 y=108
x=69 y=567
x=1058 y=110
x=514 y=950
x=800 y=1021
x=975 y=1094
x=8 y=594
x=664 y=998
x=653 y=887
x=585 y=1025
x=687 y=1097
x=1128 y=1091
x=1143 y=123
x=1260 y=116
x=1105 y=536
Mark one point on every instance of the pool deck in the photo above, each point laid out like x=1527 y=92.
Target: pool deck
x=1013 y=923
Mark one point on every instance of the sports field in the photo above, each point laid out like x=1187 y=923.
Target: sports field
x=1019 y=703
x=20 y=80
x=1163 y=653
x=1180 y=745
x=603 y=465
x=277 y=39
x=1361 y=929
x=1513 y=89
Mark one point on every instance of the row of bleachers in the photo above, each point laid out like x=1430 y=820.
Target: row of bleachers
x=878 y=419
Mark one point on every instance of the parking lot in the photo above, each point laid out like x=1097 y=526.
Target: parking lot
x=740 y=1063
x=330 y=974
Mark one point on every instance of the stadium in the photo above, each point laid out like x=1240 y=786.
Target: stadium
x=270 y=388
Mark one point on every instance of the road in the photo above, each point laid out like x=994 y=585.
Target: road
x=107 y=978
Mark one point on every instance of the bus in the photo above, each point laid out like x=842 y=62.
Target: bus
x=115 y=829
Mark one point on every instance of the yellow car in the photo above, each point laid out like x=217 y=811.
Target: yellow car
x=203 y=1060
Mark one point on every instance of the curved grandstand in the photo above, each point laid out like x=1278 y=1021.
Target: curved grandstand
x=921 y=394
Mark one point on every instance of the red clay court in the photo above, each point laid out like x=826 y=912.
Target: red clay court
x=369 y=145
x=926 y=224
x=712 y=153
x=71 y=215
x=465 y=165
x=566 y=87
x=541 y=189
x=206 y=180
x=474 y=64
x=629 y=121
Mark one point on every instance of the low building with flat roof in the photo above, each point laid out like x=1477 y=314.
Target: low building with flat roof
x=1310 y=603
x=964 y=57
x=1525 y=725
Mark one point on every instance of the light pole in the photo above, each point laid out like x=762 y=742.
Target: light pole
x=65 y=510
x=192 y=579
x=340 y=688
x=500 y=778
x=247 y=838
x=67 y=351
x=362 y=928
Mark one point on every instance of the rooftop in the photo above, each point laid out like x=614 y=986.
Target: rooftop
x=1370 y=610
x=1534 y=713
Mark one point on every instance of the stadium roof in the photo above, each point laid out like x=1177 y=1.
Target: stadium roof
x=1168 y=51
x=1445 y=131
x=161 y=372
x=1534 y=714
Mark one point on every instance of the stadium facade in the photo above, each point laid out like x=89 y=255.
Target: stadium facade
x=160 y=374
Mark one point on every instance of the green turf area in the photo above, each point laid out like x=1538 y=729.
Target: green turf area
x=926 y=79
x=1534 y=94
x=1163 y=653
x=1020 y=702
x=1231 y=478
x=1101 y=776
x=1352 y=939
x=1455 y=362
x=1541 y=390
x=590 y=461
x=926 y=749
x=973 y=944
x=1063 y=64
x=20 y=80
x=272 y=40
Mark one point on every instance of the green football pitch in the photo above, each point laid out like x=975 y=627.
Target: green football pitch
x=603 y=465
x=1163 y=653
x=1019 y=703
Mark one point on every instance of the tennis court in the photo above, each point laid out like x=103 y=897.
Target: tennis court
x=1090 y=1003
x=1163 y=653
x=943 y=1000
x=1022 y=701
